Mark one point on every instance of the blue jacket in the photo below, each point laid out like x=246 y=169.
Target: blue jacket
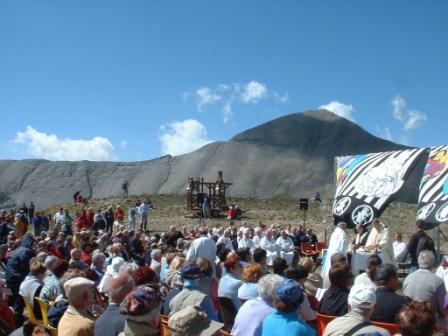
x=18 y=264
x=280 y=324
x=111 y=322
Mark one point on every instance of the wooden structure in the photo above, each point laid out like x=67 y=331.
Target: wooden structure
x=215 y=192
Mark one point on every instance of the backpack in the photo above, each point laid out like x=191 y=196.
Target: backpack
x=425 y=243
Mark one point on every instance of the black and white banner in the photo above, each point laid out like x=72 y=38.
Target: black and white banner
x=367 y=183
x=433 y=196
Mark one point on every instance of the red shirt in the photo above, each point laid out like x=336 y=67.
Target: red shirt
x=89 y=219
x=86 y=258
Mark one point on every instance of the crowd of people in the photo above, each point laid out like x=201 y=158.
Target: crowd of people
x=100 y=275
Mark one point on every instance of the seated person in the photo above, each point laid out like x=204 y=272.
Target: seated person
x=368 y=277
x=334 y=300
x=387 y=301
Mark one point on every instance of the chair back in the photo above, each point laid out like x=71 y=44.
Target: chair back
x=164 y=329
x=320 y=246
x=308 y=250
x=391 y=327
x=44 y=309
x=322 y=321
x=228 y=312
x=29 y=310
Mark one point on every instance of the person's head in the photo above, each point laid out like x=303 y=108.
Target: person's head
x=342 y=225
x=144 y=275
x=360 y=228
x=177 y=263
x=244 y=254
x=259 y=256
x=252 y=273
x=419 y=225
x=387 y=276
x=279 y=266
x=173 y=229
x=362 y=299
x=267 y=286
x=341 y=276
x=59 y=268
x=206 y=266
x=79 y=292
x=426 y=260
x=246 y=233
x=193 y=320
x=98 y=259
x=376 y=224
x=119 y=286
x=76 y=254
x=233 y=264
x=38 y=270
x=227 y=233
x=306 y=263
x=50 y=262
x=142 y=304
x=190 y=272
x=297 y=273
x=283 y=234
x=373 y=262
x=156 y=254
x=416 y=319
x=338 y=258
x=288 y=296
x=397 y=236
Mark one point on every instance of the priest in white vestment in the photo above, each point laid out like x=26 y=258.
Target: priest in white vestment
x=268 y=244
x=380 y=241
x=286 y=246
x=400 y=248
x=225 y=239
x=338 y=244
x=246 y=241
x=258 y=235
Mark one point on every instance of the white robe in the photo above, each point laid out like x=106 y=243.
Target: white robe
x=286 y=249
x=338 y=244
x=246 y=242
x=400 y=250
x=226 y=241
x=271 y=248
x=257 y=239
x=385 y=247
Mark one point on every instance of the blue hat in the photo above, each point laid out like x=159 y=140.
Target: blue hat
x=289 y=291
x=190 y=271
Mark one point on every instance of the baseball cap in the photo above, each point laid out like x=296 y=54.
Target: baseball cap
x=193 y=321
x=362 y=296
x=289 y=291
x=190 y=271
x=141 y=301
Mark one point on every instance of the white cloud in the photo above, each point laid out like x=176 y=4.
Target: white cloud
x=49 y=146
x=227 y=111
x=398 y=104
x=253 y=92
x=182 y=137
x=206 y=96
x=414 y=120
x=123 y=143
x=340 y=109
x=281 y=98
x=410 y=119
x=387 y=134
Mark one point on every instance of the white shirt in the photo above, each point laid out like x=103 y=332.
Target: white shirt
x=286 y=244
x=246 y=242
x=400 y=249
x=226 y=241
x=202 y=247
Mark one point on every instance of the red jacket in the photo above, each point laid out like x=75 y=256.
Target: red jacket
x=86 y=258
x=89 y=219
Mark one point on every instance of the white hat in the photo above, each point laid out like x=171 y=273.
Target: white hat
x=362 y=296
x=77 y=287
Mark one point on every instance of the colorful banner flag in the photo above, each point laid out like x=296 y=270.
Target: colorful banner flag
x=367 y=183
x=433 y=196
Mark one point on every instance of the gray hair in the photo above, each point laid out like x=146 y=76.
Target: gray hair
x=125 y=287
x=128 y=267
x=97 y=257
x=426 y=260
x=50 y=260
x=267 y=285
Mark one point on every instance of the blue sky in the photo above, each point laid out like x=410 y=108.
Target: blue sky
x=132 y=80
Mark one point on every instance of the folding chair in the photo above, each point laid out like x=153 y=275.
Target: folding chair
x=29 y=310
x=322 y=321
x=392 y=327
x=164 y=329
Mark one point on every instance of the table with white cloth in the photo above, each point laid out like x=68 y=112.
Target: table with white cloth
x=359 y=261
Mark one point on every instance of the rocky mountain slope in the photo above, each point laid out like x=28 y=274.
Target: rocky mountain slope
x=291 y=157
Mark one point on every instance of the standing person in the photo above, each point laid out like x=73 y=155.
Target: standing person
x=144 y=210
x=361 y=236
x=57 y=218
x=31 y=209
x=338 y=244
x=110 y=218
x=400 y=248
x=38 y=224
x=67 y=222
x=132 y=217
x=124 y=187
x=89 y=219
x=419 y=241
x=203 y=247
x=205 y=207
x=80 y=220
x=99 y=222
